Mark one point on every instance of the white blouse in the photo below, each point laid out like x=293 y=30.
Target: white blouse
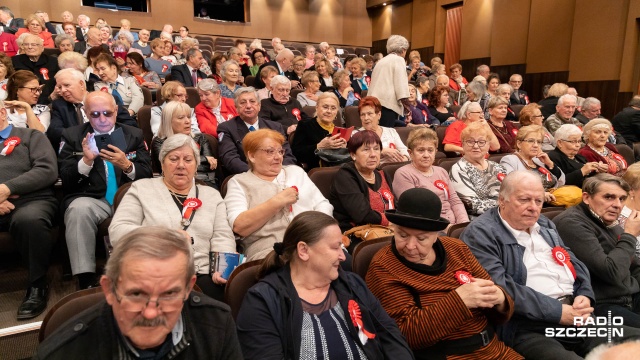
x=20 y=120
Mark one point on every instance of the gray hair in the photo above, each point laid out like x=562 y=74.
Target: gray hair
x=284 y=53
x=75 y=74
x=225 y=65
x=481 y=68
x=309 y=47
x=244 y=90
x=323 y=46
x=442 y=76
x=635 y=101
x=166 y=36
x=36 y=38
x=234 y=50
x=149 y=242
x=169 y=110
x=256 y=44
x=191 y=53
x=126 y=34
x=600 y=352
x=20 y=39
x=514 y=75
x=567 y=130
x=503 y=87
x=208 y=84
x=591 y=185
x=477 y=88
x=566 y=97
x=177 y=141
x=85 y=17
x=280 y=80
x=514 y=181
x=589 y=102
x=496 y=101
x=586 y=129
x=6 y=10
x=397 y=44
x=463 y=113
x=71 y=57
x=62 y=37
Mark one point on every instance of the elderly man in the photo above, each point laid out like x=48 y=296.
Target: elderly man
x=93 y=39
x=275 y=42
x=280 y=107
x=231 y=133
x=83 y=24
x=150 y=310
x=189 y=74
x=28 y=206
x=68 y=111
x=8 y=22
x=518 y=97
x=484 y=71
x=283 y=62
x=66 y=16
x=591 y=108
x=522 y=252
x=167 y=28
x=92 y=172
x=42 y=65
x=592 y=230
x=627 y=122
x=126 y=26
x=564 y=114
x=143 y=43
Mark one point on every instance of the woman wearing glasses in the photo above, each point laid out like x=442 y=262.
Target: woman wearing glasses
x=295 y=75
x=171 y=91
x=23 y=90
x=35 y=26
x=529 y=156
x=566 y=157
x=475 y=179
x=262 y=201
x=470 y=113
x=531 y=115
x=144 y=77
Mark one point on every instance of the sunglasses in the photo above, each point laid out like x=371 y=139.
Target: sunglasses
x=96 y=114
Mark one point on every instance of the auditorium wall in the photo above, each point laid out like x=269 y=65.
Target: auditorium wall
x=589 y=44
x=335 y=21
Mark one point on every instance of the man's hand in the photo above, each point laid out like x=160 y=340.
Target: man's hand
x=632 y=225
x=569 y=313
x=213 y=163
x=116 y=157
x=6 y=207
x=89 y=149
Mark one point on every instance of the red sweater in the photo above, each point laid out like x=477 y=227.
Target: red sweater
x=207 y=121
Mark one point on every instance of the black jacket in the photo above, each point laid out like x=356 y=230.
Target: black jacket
x=230 y=135
x=259 y=84
x=270 y=319
x=356 y=85
x=182 y=74
x=209 y=333
x=305 y=141
x=199 y=139
x=286 y=114
x=521 y=99
x=45 y=69
x=548 y=106
x=16 y=24
x=571 y=168
x=627 y=124
x=63 y=115
x=75 y=185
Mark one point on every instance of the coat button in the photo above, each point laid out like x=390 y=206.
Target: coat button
x=196 y=299
x=78 y=327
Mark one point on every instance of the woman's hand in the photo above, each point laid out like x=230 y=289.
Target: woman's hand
x=291 y=129
x=120 y=61
x=218 y=279
x=549 y=197
x=542 y=156
x=480 y=293
x=332 y=142
x=589 y=167
x=17 y=104
x=313 y=97
x=391 y=155
x=213 y=163
x=287 y=197
x=149 y=85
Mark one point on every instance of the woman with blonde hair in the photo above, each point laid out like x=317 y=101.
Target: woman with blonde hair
x=35 y=26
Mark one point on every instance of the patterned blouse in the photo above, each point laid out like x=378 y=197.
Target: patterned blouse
x=478 y=189
x=226 y=92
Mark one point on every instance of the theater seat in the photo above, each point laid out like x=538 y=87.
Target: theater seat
x=626 y=152
x=146 y=93
x=391 y=168
x=68 y=307
x=322 y=177
x=352 y=117
x=456 y=230
x=364 y=252
x=242 y=278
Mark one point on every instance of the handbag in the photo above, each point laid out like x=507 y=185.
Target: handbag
x=567 y=195
x=369 y=232
x=332 y=157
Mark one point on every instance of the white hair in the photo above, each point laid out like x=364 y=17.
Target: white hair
x=397 y=44
x=567 y=130
x=280 y=80
x=566 y=97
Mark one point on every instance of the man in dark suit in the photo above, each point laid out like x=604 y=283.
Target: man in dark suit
x=84 y=24
x=93 y=39
x=68 y=111
x=518 y=97
x=189 y=74
x=231 y=133
x=283 y=62
x=43 y=66
x=10 y=24
x=90 y=178
x=627 y=122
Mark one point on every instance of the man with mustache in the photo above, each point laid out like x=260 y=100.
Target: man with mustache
x=150 y=310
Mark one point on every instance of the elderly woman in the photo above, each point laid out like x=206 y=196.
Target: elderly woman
x=296 y=72
x=64 y=43
x=323 y=302
x=343 y=89
x=138 y=70
x=106 y=35
x=69 y=28
x=531 y=115
x=421 y=173
x=415 y=69
x=35 y=26
x=325 y=73
x=124 y=90
x=360 y=77
x=171 y=91
x=162 y=201
x=266 y=74
x=316 y=134
x=168 y=54
x=550 y=102
x=393 y=149
x=438 y=104
x=184 y=34
x=242 y=60
x=566 y=157
x=360 y=193
x=23 y=110
x=155 y=62
x=258 y=56
x=475 y=92
x=503 y=130
x=422 y=85
x=505 y=91
x=595 y=134
x=67 y=17
x=230 y=73
x=334 y=60
x=176 y=119
x=457 y=82
x=6 y=70
x=213 y=109
x=389 y=82
x=435 y=289
x=124 y=35
x=469 y=113
x=436 y=70
x=73 y=60
x=475 y=179
x=529 y=156
x=420 y=114
x=311 y=83
x=493 y=81
x=262 y=201
x=280 y=107
x=216 y=67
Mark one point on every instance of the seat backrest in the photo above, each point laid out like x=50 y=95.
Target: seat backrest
x=294 y=93
x=146 y=93
x=456 y=230
x=497 y=157
x=68 y=307
x=636 y=150
x=403 y=132
x=448 y=163
x=241 y=279
x=391 y=168
x=122 y=191
x=516 y=109
x=223 y=186
x=322 y=177
x=193 y=97
x=551 y=212
x=626 y=152
x=309 y=110
x=250 y=80
x=144 y=123
x=441 y=131
x=364 y=252
x=352 y=117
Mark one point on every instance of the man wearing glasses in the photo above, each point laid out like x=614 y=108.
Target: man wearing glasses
x=518 y=97
x=45 y=67
x=150 y=310
x=92 y=167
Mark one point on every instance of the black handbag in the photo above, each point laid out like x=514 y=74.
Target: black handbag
x=333 y=157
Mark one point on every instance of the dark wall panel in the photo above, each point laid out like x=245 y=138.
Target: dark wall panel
x=469 y=66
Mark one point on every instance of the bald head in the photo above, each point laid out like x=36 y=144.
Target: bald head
x=625 y=351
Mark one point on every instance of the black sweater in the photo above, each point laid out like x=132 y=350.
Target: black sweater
x=570 y=167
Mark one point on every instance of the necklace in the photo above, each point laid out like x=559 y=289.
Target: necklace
x=371 y=178
x=602 y=153
x=179 y=197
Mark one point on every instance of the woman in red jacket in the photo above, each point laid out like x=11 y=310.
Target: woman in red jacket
x=213 y=109
x=35 y=26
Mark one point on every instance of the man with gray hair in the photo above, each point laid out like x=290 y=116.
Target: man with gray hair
x=627 y=122
x=8 y=23
x=484 y=71
x=231 y=133
x=189 y=74
x=518 y=97
x=591 y=108
x=564 y=114
x=83 y=24
x=606 y=246
x=282 y=62
x=521 y=250
x=36 y=61
x=149 y=310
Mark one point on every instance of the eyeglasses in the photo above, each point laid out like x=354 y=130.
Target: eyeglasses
x=472 y=143
x=34 y=90
x=537 y=116
x=35 y=24
x=272 y=152
x=137 y=302
x=475 y=112
x=96 y=114
x=574 y=142
x=185 y=96
x=33 y=45
x=533 y=141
